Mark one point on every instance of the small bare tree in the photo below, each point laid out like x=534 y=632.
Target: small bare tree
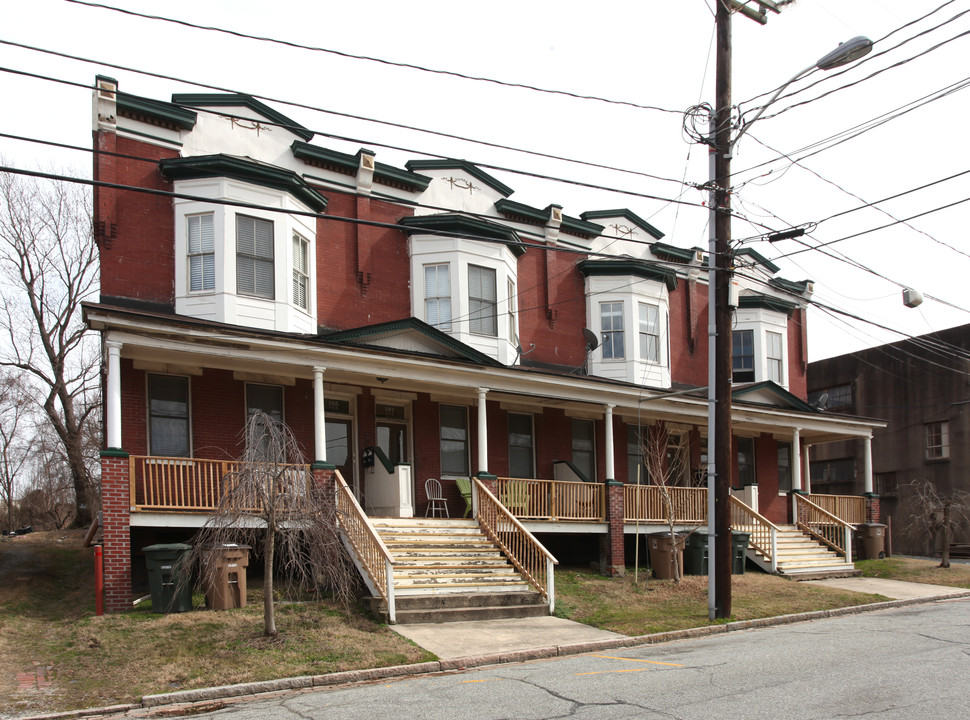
x=934 y=514
x=271 y=501
x=667 y=457
x=15 y=443
x=48 y=267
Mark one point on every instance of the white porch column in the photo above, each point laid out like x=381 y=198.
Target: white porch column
x=114 y=395
x=319 y=417
x=608 y=431
x=796 y=460
x=867 y=463
x=807 y=468
x=482 y=432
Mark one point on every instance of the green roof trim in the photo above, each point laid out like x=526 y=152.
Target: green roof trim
x=773 y=387
x=237 y=99
x=671 y=252
x=572 y=225
x=798 y=288
x=758 y=258
x=462 y=225
x=766 y=302
x=347 y=163
x=465 y=166
x=161 y=112
x=630 y=267
x=187 y=168
x=347 y=337
x=625 y=213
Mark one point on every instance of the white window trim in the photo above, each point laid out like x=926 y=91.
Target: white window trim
x=762 y=321
x=604 y=332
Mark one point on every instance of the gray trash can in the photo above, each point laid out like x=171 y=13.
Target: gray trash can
x=164 y=575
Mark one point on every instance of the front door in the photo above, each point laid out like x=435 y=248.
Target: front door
x=340 y=446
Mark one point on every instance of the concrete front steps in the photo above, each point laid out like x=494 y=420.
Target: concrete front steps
x=801 y=557
x=446 y=570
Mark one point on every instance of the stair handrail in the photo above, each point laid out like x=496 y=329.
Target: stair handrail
x=817 y=520
x=763 y=532
x=371 y=554
x=521 y=547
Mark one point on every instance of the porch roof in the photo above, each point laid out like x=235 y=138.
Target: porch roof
x=171 y=343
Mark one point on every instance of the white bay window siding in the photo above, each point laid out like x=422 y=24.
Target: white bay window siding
x=759 y=342
x=631 y=317
x=251 y=268
x=466 y=288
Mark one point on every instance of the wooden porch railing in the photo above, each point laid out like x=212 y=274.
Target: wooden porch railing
x=763 y=533
x=532 y=499
x=175 y=484
x=823 y=525
x=848 y=508
x=646 y=503
x=520 y=546
x=372 y=555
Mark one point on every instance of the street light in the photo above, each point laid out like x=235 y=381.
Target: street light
x=719 y=314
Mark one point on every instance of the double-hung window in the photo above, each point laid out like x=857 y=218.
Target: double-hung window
x=168 y=415
x=937 y=440
x=254 y=257
x=453 y=432
x=746 y=470
x=784 y=467
x=482 y=317
x=584 y=444
x=437 y=296
x=301 y=272
x=521 y=446
x=649 y=333
x=611 y=324
x=202 y=258
x=510 y=311
x=743 y=355
x=775 y=357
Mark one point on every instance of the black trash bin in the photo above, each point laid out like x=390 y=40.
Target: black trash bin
x=695 y=554
x=739 y=551
x=870 y=541
x=164 y=575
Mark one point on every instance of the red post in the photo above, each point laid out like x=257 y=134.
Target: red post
x=98 y=581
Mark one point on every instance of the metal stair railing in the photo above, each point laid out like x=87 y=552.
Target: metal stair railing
x=371 y=554
x=822 y=525
x=520 y=546
x=763 y=533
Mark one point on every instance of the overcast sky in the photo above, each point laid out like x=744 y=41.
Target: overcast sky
x=647 y=53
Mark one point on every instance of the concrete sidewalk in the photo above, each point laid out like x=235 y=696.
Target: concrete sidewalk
x=894 y=589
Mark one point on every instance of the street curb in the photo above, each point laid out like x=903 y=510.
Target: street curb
x=189 y=701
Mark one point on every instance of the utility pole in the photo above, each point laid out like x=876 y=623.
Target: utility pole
x=722 y=317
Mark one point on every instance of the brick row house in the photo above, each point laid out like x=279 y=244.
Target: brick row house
x=410 y=323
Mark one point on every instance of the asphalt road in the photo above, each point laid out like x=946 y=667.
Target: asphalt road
x=910 y=662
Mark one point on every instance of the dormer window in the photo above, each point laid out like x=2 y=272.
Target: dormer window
x=254 y=257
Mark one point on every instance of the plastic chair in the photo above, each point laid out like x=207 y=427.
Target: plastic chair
x=516 y=496
x=465 y=488
x=436 y=500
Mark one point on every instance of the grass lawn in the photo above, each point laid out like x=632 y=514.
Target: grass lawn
x=56 y=655
x=917 y=570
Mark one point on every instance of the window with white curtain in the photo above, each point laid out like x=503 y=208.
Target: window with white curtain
x=775 y=357
x=437 y=296
x=254 y=257
x=649 y=333
x=202 y=258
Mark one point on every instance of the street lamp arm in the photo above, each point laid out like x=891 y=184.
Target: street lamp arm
x=744 y=128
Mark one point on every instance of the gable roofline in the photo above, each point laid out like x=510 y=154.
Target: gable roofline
x=464 y=165
x=453 y=224
x=624 y=213
x=155 y=112
x=201 y=166
x=758 y=258
x=349 y=165
x=766 y=302
x=237 y=99
x=362 y=334
x=574 y=226
x=774 y=388
x=630 y=266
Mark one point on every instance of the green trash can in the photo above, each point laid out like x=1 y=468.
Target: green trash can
x=164 y=573
x=695 y=554
x=739 y=550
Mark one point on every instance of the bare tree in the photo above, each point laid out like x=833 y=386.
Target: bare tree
x=15 y=444
x=48 y=500
x=271 y=500
x=667 y=457
x=48 y=266
x=934 y=514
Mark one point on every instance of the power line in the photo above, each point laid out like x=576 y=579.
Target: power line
x=367 y=58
